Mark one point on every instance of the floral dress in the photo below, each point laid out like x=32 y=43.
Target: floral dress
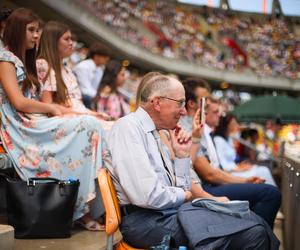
x=59 y=147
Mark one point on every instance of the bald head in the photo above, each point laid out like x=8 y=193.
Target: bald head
x=159 y=85
x=163 y=98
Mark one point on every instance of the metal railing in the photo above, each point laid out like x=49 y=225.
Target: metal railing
x=290 y=188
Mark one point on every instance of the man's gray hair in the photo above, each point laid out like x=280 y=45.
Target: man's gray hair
x=156 y=86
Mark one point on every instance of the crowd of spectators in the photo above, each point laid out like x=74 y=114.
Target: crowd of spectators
x=43 y=117
x=209 y=37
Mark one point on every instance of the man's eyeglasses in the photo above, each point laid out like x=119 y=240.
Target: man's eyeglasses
x=180 y=102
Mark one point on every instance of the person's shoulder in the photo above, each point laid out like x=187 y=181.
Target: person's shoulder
x=125 y=127
x=5 y=53
x=219 y=138
x=85 y=64
x=8 y=56
x=129 y=121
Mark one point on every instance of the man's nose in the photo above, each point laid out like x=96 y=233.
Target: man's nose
x=183 y=111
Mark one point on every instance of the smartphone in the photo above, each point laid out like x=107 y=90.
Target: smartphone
x=202 y=110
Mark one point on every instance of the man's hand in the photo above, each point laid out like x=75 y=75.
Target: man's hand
x=181 y=142
x=221 y=199
x=197 y=126
x=188 y=196
x=255 y=180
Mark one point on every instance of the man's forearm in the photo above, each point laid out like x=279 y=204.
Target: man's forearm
x=227 y=178
x=198 y=192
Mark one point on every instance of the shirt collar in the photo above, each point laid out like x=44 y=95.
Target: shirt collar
x=207 y=129
x=145 y=119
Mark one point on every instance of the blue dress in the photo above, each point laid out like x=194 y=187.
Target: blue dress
x=59 y=147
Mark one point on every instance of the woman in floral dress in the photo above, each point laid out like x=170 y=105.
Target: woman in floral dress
x=60 y=146
x=59 y=84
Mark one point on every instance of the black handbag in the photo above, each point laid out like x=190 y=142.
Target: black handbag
x=41 y=207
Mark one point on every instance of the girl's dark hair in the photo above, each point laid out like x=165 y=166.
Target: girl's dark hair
x=14 y=37
x=99 y=49
x=48 y=50
x=4 y=13
x=222 y=128
x=112 y=69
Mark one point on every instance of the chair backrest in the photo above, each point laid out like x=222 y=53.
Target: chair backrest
x=110 y=201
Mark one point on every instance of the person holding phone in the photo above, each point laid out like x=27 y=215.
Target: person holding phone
x=195 y=107
x=264 y=199
x=202 y=109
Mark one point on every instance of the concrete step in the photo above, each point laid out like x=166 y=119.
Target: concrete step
x=6 y=237
x=80 y=239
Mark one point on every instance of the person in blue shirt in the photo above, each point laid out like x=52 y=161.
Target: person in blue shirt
x=153 y=191
x=264 y=199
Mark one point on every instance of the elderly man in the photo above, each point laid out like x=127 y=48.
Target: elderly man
x=153 y=191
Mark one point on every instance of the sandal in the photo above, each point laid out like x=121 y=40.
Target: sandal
x=91 y=225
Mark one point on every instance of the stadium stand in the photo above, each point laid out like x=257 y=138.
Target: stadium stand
x=206 y=36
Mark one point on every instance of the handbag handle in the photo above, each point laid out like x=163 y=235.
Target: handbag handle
x=61 y=183
x=33 y=180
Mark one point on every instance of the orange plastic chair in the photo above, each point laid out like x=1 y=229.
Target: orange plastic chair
x=113 y=212
x=2 y=149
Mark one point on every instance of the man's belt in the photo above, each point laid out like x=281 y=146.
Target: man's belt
x=129 y=209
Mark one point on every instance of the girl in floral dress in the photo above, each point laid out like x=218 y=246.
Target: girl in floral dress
x=58 y=83
x=108 y=98
x=59 y=146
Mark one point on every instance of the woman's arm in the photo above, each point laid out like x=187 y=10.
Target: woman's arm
x=47 y=96
x=100 y=115
x=17 y=99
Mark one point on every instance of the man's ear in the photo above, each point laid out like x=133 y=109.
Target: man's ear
x=191 y=105
x=156 y=103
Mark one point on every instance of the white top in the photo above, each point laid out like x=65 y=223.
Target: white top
x=208 y=147
x=226 y=152
x=88 y=77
